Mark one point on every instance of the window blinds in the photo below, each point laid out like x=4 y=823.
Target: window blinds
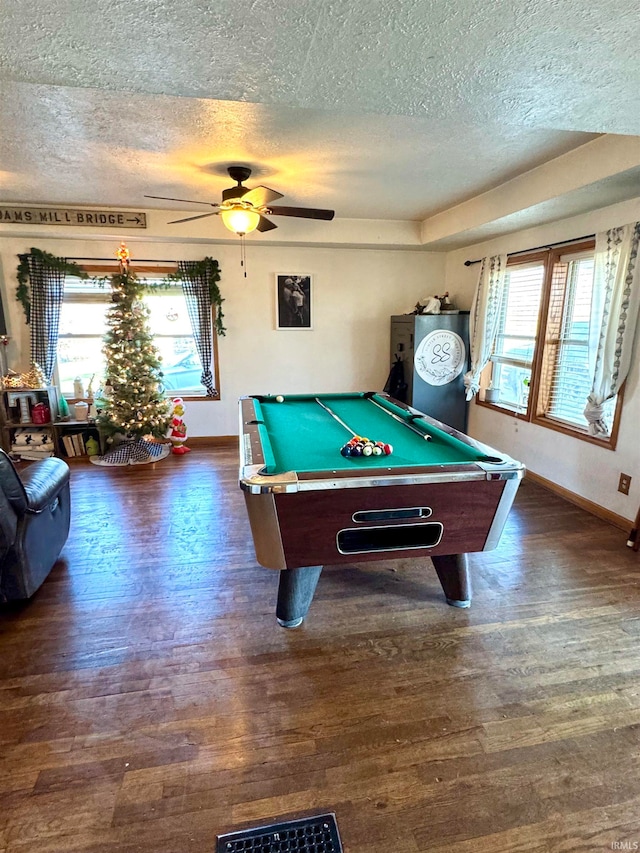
x=516 y=338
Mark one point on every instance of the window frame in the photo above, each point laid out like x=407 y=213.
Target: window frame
x=158 y=269
x=542 y=357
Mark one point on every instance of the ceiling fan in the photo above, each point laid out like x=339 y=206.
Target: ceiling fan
x=243 y=210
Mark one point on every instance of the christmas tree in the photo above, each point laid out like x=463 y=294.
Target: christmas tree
x=133 y=404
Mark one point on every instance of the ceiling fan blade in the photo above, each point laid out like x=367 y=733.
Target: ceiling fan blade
x=303 y=212
x=265 y=225
x=188 y=200
x=258 y=196
x=190 y=218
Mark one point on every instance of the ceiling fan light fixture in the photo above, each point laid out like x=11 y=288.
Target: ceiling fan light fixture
x=240 y=219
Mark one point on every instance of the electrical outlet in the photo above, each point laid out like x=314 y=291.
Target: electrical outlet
x=624 y=483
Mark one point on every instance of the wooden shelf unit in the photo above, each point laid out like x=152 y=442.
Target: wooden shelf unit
x=10 y=421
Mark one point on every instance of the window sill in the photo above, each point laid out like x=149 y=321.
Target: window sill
x=513 y=412
x=607 y=443
x=193 y=398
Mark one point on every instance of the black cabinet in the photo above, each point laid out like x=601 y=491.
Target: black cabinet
x=434 y=349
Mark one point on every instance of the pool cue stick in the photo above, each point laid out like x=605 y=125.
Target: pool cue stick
x=634 y=537
x=333 y=415
x=424 y=435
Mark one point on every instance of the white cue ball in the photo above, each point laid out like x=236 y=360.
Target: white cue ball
x=279 y=399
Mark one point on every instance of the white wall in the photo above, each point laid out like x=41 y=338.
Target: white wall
x=582 y=468
x=355 y=293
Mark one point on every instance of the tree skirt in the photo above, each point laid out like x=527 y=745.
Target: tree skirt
x=138 y=452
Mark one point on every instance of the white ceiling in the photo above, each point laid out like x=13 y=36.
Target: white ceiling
x=385 y=109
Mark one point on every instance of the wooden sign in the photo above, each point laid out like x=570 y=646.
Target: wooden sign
x=68 y=216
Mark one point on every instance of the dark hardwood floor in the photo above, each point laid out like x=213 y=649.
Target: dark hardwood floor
x=150 y=701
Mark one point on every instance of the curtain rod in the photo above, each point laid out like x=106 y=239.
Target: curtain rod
x=137 y=260
x=115 y=260
x=535 y=248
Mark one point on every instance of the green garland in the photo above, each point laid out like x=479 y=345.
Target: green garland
x=208 y=269
x=23 y=293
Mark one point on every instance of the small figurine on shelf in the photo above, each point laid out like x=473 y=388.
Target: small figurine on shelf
x=12 y=380
x=63 y=408
x=178 y=428
x=446 y=306
x=427 y=305
x=33 y=378
x=91 y=446
x=78 y=388
x=40 y=413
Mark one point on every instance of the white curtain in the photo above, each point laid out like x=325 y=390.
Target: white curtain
x=483 y=320
x=614 y=316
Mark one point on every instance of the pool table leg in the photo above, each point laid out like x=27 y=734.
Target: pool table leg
x=295 y=593
x=453 y=571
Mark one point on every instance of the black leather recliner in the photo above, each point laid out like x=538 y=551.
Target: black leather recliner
x=35 y=512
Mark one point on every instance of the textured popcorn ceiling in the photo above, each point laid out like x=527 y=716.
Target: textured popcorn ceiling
x=385 y=109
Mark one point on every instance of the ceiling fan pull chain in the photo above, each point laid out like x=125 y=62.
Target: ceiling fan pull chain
x=243 y=254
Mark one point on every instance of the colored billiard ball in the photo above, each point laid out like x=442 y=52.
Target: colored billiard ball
x=279 y=399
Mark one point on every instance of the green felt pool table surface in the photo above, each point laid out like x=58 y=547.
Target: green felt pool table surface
x=298 y=434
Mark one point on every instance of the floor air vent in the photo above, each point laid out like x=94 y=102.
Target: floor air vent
x=317 y=834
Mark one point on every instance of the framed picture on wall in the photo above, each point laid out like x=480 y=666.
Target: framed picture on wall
x=293 y=301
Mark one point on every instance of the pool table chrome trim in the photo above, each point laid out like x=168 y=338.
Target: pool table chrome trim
x=391 y=514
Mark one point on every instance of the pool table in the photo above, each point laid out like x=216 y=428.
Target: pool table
x=439 y=494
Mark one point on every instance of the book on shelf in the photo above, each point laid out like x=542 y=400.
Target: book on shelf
x=73 y=442
x=67 y=441
x=78 y=443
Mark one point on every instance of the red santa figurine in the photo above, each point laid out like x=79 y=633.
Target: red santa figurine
x=178 y=433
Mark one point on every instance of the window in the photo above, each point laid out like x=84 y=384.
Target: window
x=516 y=338
x=539 y=368
x=83 y=325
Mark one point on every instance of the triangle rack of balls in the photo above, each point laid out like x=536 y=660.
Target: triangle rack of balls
x=358 y=445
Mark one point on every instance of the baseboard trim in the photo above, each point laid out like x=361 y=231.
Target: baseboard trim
x=589 y=506
x=211 y=440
